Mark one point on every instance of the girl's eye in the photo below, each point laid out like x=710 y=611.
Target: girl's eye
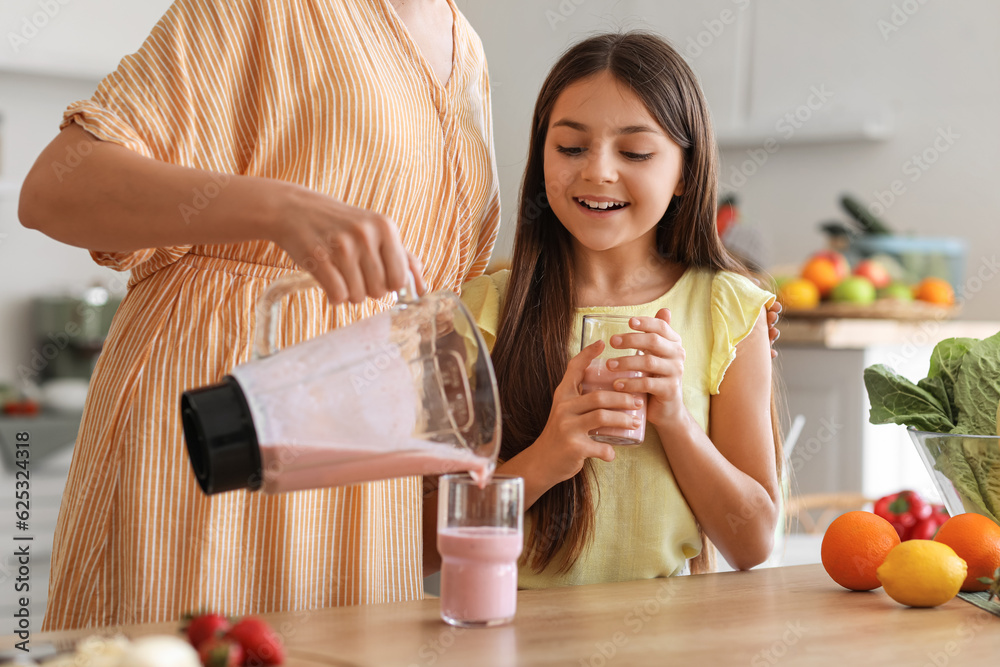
x=569 y=150
x=638 y=157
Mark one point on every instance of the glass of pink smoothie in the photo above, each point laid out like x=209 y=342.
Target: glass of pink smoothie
x=479 y=539
x=599 y=377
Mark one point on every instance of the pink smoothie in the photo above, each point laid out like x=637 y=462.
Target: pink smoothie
x=598 y=377
x=345 y=408
x=478 y=574
x=290 y=467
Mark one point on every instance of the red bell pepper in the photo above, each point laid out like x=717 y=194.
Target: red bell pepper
x=904 y=510
x=926 y=529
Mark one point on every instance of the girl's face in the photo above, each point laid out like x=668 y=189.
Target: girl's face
x=610 y=169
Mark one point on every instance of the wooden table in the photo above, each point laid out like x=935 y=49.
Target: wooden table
x=772 y=616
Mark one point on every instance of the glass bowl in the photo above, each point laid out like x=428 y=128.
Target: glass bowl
x=965 y=469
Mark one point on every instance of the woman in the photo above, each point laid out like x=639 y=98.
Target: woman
x=244 y=139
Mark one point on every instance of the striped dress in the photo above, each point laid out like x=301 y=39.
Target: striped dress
x=330 y=94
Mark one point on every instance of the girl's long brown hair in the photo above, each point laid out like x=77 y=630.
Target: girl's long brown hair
x=531 y=351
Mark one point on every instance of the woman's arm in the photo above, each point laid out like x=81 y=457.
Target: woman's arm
x=114 y=199
x=728 y=475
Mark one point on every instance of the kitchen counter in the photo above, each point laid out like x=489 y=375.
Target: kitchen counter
x=788 y=616
x=820 y=367
x=854 y=333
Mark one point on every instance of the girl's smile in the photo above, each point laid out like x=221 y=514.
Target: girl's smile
x=610 y=169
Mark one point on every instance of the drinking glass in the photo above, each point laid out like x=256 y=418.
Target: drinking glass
x=479 y=539
x=599 y=377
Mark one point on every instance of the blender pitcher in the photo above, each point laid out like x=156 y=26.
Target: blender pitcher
x=410 y=391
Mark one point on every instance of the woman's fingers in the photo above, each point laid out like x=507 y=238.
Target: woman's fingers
x=417 y=271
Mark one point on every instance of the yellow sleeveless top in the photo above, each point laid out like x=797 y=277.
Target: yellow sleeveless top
x=644 y=527
x=333 y=95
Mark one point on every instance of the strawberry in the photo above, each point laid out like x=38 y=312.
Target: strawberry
x=203 y=627
x=260 y=642
x=220 y=652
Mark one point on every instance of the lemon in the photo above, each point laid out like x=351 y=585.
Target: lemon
x=922 y=573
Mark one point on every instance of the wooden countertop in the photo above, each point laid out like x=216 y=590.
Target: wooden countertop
x=857 y=333
x=771 y=616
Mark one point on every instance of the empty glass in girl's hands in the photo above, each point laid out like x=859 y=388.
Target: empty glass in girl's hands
x=598 y=377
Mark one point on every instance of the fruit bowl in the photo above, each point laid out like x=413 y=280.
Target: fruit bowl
x=964 y=468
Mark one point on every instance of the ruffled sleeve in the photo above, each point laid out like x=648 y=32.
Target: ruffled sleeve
x=187 y=96
x=483 y=296
x=736 y=305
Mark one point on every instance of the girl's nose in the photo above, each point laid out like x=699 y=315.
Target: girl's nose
x=599 y=167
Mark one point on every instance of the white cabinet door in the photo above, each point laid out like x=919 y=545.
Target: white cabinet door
x=83 y=38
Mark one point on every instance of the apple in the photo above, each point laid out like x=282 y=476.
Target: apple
x=897 y=291
x=839 y=262
x=873 y=271
x=855 y=289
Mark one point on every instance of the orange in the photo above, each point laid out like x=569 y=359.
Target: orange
x=935 y=290
x=798 y=294
x=976 y=540
x=821 y=272
x=854 y=546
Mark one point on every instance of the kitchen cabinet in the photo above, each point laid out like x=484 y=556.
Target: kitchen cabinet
x=820 y=365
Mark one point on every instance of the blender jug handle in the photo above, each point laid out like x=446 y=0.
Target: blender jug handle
x=267 y=327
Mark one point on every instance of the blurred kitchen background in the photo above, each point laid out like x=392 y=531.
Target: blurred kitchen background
x=895 y=102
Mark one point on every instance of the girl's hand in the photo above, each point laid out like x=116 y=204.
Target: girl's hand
x=352 y=252
x=564 y=445
x=661 y=364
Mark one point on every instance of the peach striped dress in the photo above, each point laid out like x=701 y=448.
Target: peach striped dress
x=333 y=95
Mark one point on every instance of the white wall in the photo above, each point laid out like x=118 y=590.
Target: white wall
x=929 y=66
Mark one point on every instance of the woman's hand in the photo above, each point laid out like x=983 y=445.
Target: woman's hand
x=352 y=252
x=661 y=364
x=773 y=312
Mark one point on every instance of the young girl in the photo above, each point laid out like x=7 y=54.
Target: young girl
x=617 y=215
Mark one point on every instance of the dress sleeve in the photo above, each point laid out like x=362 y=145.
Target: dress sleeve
x=187 y=97
x=736 y=305
x=483 y=296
